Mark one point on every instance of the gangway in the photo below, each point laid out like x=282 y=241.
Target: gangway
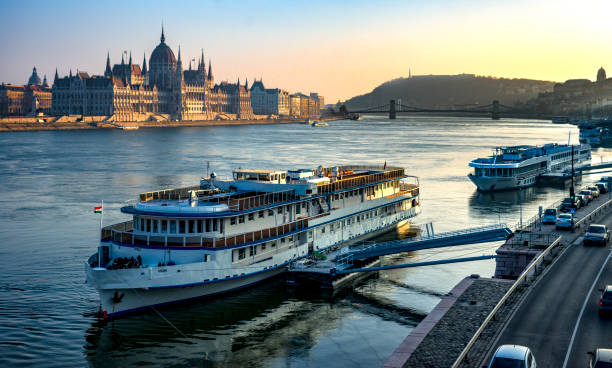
x=341 y=267
x=475 y=235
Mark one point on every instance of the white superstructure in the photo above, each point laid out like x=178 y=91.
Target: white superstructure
x=519 y=166
x=228 y=234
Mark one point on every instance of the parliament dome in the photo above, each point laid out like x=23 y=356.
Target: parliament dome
x=162 y=53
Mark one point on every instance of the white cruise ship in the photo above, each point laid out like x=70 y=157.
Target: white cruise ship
x=519 y=166
x=228 y=234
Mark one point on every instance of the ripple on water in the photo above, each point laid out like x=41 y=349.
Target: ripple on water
x=51 y=180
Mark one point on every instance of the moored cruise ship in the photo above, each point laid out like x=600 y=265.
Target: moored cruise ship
x=227 y=234
x=519 y=166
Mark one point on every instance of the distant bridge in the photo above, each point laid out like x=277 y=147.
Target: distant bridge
x=495 y=110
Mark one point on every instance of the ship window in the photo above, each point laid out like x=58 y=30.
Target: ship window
x=303 y=204
x=200 y=226
x=191 y=227
x=241 y=219
x=164 y=226
x=148 y=225
x=282 y=240
x=155 y=226
x=252 y=250
x=181 y=226
x=241 y=253
x=310 y=234
x=142 y=224
x=233 y=220
x=215 y=224
x=206 y=258
x=270 y=213
x=263 y=246
x=280 y=210
x=172 y=226
x=273 y=244
x=323 y=230
x=297 y=209
x=251 y=216
x=261 y=214
x=208 y=225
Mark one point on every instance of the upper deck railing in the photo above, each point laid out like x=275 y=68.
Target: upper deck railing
x=168 y=194
x=245 y=201
x=123 y=233
x=235 y=203
x=359 y=180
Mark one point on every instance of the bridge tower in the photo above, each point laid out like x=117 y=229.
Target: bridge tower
x=392 y=109
x=495 y=112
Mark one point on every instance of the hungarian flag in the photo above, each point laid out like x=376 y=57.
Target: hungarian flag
x=98 y=209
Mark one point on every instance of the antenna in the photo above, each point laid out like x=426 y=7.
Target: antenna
x=207 y=169
x=569 y=137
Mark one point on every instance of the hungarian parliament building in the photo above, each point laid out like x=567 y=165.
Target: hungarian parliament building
x=164 y=91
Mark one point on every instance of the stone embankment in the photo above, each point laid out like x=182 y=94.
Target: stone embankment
x=439 y=340
x=66 y=123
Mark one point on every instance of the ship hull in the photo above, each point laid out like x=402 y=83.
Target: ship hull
x=135 y=300
x=121 y=301
x=492 y=184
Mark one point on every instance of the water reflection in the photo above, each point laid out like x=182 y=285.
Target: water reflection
x=251 y=328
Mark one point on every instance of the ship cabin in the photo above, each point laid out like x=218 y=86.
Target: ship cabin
x=261 y=211
x=529 y=160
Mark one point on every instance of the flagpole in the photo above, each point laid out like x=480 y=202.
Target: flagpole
x=100 y=232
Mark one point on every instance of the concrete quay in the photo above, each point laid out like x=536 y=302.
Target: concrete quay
x=33 y=124
x=442 y=337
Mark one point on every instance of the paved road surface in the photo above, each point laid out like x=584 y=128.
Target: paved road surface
x=546 y=319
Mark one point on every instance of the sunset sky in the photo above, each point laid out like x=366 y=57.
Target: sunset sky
x=337 y=48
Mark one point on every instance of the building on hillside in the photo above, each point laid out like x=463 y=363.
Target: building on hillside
x=130 y=92
x=266 y=101
x=579 y=98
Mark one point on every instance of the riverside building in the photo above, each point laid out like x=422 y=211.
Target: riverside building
x=164 y=91
x=29 y=99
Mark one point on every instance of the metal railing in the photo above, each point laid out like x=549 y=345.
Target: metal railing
x=363 y=247
x=123 y=233
x=522 y=278
x=359 y=181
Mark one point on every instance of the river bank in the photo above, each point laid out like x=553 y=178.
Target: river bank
x=33 y=124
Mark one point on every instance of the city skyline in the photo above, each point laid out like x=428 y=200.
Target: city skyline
x=337 y=50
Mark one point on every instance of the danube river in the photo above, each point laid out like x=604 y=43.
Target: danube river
x=51 y=181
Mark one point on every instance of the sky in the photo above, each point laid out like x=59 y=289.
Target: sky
x=339 y=49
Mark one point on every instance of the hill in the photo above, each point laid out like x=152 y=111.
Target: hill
x=444 y=91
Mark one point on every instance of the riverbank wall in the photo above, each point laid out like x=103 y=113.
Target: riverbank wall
x=461 y=330
x=20 y=124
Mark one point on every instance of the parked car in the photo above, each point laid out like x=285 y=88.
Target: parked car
x=605 y=302
x=603 y=187
x=606 y=179
x=596 y=234
x=514 y=356
x=565 y=221
x=587 y=193
x=582 y=199
x=550 y=216
x=594 y=189
x=568 y=204
x=601 y=358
